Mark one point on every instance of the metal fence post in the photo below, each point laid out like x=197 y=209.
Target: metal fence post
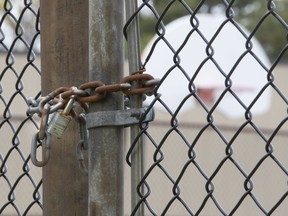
x=134 y=57
x=64 y=62
x=106 y=155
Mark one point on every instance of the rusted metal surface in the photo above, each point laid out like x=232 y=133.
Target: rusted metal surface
x=106 y=156
x=64 y=55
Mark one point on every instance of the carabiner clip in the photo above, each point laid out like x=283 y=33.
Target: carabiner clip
x=46 y=144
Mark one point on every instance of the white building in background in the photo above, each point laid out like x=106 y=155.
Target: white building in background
x=226 y=49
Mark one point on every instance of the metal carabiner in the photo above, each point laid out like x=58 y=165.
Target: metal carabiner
x=46 y=145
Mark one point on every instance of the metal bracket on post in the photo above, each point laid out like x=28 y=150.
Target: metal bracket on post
x=118 y=118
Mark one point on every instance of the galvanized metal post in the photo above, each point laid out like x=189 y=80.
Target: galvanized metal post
x=64 y=62
x=134 y=57
x=106 y=62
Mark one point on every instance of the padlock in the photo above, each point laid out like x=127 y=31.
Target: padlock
x=60 y=120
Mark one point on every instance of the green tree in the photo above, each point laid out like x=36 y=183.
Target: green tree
x=272 y=33
x=246 y=12
x=180 y=7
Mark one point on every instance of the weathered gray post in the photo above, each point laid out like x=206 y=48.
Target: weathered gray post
x=64 y=62
x=106 y=156
x=134 y=56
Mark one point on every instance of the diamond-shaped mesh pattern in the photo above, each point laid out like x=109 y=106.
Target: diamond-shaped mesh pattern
x=216 y=146
x=19 y=79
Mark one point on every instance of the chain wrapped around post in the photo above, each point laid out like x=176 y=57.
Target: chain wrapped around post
x=83 y=95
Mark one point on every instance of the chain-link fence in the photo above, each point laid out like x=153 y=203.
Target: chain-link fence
x=216 y=146
x=20 y=182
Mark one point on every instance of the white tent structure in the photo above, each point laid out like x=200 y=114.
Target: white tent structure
x=248 y=78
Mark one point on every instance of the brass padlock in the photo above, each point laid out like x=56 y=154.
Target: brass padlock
x=60 y=120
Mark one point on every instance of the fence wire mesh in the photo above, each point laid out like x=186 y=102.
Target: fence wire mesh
x=216 y=146
x=19 y=78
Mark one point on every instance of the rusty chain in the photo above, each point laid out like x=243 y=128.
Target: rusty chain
x=59 y=97
x=90 y=92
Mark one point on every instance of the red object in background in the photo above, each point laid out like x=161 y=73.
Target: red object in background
x=206 y=94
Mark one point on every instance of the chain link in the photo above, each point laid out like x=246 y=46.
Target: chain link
x=83 y=144
x=143 y=87
x=44 y=122
x=46 y=145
